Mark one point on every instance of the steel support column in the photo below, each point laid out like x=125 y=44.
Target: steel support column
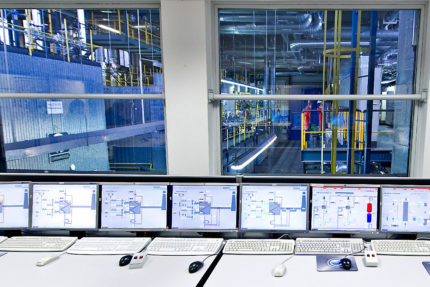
x=370 y=86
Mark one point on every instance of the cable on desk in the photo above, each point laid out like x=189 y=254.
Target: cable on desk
x=209 y=256
x=289 y=257
x=356 y=252
x=285 y=234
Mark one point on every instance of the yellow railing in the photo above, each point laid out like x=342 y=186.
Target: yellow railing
x=131 y=165
x=131 y=79
x=342 y=130
x=252 y=118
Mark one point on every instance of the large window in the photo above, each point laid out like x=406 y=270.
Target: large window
x=99 y=55
x=264 y=53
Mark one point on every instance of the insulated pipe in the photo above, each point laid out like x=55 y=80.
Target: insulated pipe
x=250 y=18
x=317 y=44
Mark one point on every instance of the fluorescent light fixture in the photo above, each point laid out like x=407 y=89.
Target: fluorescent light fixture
x=109 y=29
x=242 y=85
x=249 y=160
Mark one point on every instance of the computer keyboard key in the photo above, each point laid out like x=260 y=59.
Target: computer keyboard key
x=259 y=246
x=184 y=246
x=401 y=247
x=315 y=246
x=37 y=243
x=109 y=245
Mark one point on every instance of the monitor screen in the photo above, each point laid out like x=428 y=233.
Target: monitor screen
x=134 y=206
x=274 y=207
x=344 y=208
x=405 y=209
x=64 y=206
x=14 y=203
x=204 y=207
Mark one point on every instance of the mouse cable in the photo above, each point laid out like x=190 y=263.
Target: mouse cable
x=209 y=256
x=356 y=252
x=288 y=258
x=285 y=234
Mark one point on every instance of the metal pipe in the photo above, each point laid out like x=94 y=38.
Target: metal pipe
x=80 y=96
x=370 y=89
x=67 y=40
x=219 y=97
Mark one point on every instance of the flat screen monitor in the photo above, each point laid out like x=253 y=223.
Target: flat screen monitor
x=274 y=207
x=14 y=202
x=344 y=208
x=204 y=207
x=405 y=209
x=134 y=206
x=64 y=206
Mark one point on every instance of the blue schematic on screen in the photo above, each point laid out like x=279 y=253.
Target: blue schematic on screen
x=204 y=207
x=14 y=201
x=272 y=207
x=134 y=206
x=68 y=206
x=344 y=208
x=405 y=209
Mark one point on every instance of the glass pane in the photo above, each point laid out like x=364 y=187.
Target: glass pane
x=317 y=52
x=101 y=51
x=291 y=137
x=83 y=135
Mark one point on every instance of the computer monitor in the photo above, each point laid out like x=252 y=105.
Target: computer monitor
x=405 y=209
x=134 y=206
x=64 y=206
x=274 y=207
x=344 y=208
x=204 y=207
x=14 y=202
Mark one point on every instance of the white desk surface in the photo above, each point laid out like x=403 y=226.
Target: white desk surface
x=255 y=270
x=19 y=269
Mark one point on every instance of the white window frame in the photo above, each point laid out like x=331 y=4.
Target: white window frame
x=82 y=4
x=417 y=145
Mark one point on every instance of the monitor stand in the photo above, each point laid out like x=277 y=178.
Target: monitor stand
x=146 y=234
x=78 y=234
x=341 y=235
x=10 y=233
x=406 y=236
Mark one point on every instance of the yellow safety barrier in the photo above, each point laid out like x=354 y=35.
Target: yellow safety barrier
x=121 y=165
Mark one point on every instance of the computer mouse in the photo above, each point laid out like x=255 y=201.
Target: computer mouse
x=346 y=263
x=125 y=260
x=279 y=270
x=195 y=266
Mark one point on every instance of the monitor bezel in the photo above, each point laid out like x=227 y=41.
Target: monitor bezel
x=347 y=231
x=203 y=229
x=380 y=207
x=101 y=184
x=62 y=228
x=30 y=191
x=275 y=230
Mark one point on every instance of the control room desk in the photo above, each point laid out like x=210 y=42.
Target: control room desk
x=18 y=269
x=255 y=270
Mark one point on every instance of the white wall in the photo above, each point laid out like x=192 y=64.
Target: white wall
x=183 y=25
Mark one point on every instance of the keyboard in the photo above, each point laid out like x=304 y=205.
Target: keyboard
x=109 y=245
x=2 y=238
x=259 y=246
x=184 y=246
x=344 y=246
x=401 y=247
x=37 y=243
